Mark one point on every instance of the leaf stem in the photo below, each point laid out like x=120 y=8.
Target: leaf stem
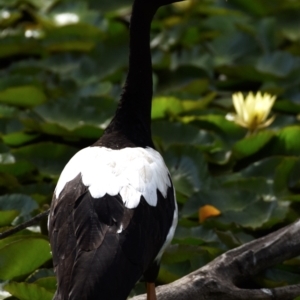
x=24 y=225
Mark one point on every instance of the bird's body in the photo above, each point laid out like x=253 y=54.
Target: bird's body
x=114 y=210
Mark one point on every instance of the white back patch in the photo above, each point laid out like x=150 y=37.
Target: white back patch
x=130 y=172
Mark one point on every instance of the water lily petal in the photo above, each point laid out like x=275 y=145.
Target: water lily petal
x=267 y=123
x=238 y=102
x=249 y=107
x=240 y=122
x=265 y=105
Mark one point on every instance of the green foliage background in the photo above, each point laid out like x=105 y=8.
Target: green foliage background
x=59 y=85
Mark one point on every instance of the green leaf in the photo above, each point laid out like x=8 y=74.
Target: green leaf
x=231 y=47
x=219 y=156
x=260 y=214
x=245 y=207
x=194 y=57
x=42 y=5
x=71 y=114
x=182 y=259
x=25 y=205
x=17 y=236
x=168 y=134
x=40 y=274
x=188 y=169
x=11 y=46
x=294 y=177
x=165 y=105
x=18 y=138
x=287 y=141
x=107 y=5
x=278 y=64
x=23 y=256
x=24 y=96
x=275 y=278
x=286 y=106
x=227 y=130
x=263 y=168
x=72 y=37
x=192 y=106
x=194 y=236
x=7 y=111
x=254 y=7
x=195 y=87
x=228 y=239
x=171 y=272
x=48 y=283
x=18 y=169
x=282 y=174
x=10 y=18
x=227 y=199
x=259 y=184
x=48 y=157
x=252 y=144
x=6 y=217
x=28 y=291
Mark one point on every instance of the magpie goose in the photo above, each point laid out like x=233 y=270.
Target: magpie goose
x=114 y=211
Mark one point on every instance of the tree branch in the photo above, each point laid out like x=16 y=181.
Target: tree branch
x=220 y=279
x=24 y=225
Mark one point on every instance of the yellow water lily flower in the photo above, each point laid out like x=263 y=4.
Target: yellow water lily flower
x=252 y=111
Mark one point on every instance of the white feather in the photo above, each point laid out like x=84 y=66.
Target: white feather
x=130 y=172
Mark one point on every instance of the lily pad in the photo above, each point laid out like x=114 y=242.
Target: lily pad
x=28 y=291
x=49 y=158
x=252 y=144
x=23 y=96
x=188 y=169
x=23 y=257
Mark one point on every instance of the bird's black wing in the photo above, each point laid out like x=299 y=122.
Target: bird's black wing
x=100 y=247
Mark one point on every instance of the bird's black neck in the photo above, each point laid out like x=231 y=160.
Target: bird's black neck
x=133 y=115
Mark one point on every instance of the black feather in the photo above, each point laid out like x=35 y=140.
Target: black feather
x=93 y=259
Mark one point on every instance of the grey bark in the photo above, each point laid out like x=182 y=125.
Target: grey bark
x=220 y=278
